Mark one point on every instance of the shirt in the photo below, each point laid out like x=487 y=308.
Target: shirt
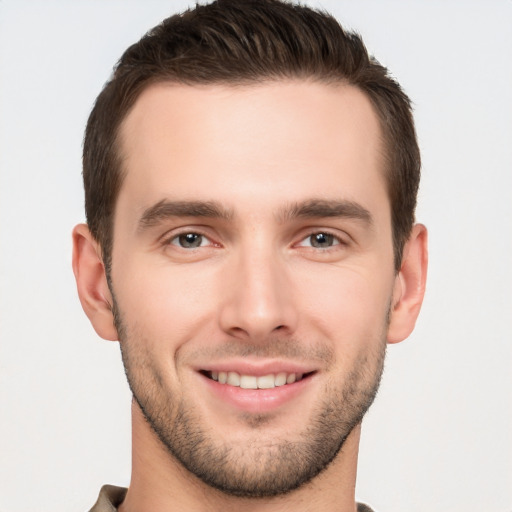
x=112 y=496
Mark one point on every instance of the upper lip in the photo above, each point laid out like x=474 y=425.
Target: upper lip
x=256 y=368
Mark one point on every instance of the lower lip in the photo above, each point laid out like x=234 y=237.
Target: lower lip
x=257 y=400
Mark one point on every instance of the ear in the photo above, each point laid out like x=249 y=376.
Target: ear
x=409 y=286
x=91 y=282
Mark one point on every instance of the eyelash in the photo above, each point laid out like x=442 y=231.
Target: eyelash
x=337 y=240
x=175 y=236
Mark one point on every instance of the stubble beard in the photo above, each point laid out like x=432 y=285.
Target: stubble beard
x=262 y=467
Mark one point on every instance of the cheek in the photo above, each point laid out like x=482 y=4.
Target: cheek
x=348 y=304
x=163 y=301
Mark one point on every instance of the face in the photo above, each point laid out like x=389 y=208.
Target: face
x=252 y=272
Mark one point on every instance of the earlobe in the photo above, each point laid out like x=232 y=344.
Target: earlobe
x=409 y=286
x=91 y=282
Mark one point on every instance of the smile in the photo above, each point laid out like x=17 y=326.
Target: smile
x=269 y=381
x=257 y=388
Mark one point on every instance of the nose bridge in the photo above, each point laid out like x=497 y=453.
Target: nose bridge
x=257 y=292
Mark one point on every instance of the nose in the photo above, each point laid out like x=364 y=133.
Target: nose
x=257 y=297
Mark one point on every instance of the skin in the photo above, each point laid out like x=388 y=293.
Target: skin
x=258 y=290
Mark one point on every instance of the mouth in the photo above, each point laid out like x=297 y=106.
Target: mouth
x=243 y=381
x=258 y=389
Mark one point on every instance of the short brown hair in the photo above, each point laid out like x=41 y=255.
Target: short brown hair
x=248 y=42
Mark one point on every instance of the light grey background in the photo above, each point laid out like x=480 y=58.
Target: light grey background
x=439 y=436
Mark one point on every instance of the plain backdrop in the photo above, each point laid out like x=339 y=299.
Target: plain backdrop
x=439 y=437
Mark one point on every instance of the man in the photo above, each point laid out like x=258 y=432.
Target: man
x=250 y=178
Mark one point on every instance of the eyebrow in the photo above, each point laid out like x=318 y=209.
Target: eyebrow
x=310 y=209
x=166 y=209
x=318 y=208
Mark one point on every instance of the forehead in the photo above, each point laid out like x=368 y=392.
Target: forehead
x=277 y=141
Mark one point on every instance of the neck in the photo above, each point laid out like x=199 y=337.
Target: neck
x=160 y=483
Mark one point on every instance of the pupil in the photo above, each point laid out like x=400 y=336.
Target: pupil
x=190 y=240
x=321 y=240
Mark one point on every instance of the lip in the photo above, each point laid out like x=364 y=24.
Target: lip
x=256 y=401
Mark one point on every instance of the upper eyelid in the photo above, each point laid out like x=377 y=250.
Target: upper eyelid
x=173 y=233
x=174 y=238
x=172 y=242
x=342 y=237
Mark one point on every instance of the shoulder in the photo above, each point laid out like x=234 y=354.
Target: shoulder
x=109 y=499
x=361 y=507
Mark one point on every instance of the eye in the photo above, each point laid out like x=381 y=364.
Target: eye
x=189 y=240
x=320 y=240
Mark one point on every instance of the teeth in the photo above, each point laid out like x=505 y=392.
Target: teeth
x=252 y=382
x=248 y=382
x=233 y=379
x=280 y=379
x=291 y=378
x=266 y=382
